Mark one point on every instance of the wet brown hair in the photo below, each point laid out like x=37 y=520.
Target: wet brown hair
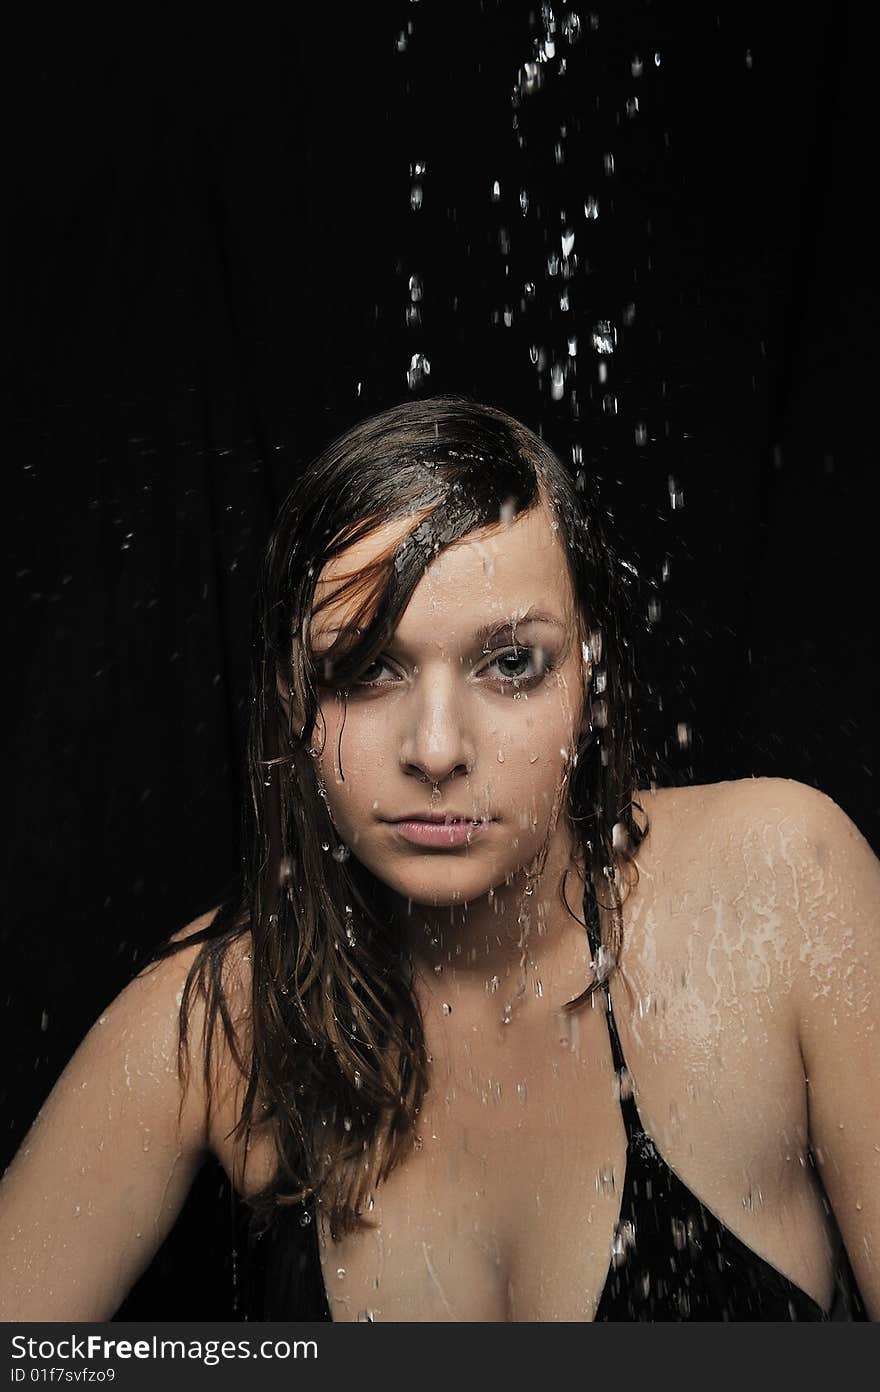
x=333 y=1049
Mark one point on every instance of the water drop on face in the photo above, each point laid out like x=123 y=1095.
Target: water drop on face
x=567 y=241
x=641 y=433
x=447 y=1009
x=501 y=756
x=340 y=1272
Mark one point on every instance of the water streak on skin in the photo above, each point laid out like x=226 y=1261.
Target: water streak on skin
x=436 y=1282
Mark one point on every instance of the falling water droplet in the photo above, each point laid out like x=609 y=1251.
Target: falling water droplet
x=605 y=1181
x=571 y=26
x=419 y=368
x=603 y=336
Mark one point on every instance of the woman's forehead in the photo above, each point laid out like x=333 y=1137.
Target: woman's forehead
x=500 y=572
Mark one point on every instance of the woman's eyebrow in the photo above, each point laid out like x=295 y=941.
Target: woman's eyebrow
x=494 y=628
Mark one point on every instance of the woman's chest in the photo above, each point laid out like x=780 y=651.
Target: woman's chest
x=509 y=1206
x=506 y=1208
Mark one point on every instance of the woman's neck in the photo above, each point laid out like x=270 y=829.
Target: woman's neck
x=506 y=952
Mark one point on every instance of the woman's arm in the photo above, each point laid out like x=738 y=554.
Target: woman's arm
x=828 y=892
x=103 y=1173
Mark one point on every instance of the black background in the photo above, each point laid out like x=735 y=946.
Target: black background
x=212 y=242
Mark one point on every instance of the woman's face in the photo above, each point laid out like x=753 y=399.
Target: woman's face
x=472 y=711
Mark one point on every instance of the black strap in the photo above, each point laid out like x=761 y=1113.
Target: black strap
x=631 y=1120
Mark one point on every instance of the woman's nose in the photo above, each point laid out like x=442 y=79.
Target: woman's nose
x=436 y=741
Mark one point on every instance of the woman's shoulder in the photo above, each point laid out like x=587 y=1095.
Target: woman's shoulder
x=724 y=813
x=249 y=1160
x=775 y=861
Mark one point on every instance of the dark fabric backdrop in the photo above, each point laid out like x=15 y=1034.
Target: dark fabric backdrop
x=212 y=245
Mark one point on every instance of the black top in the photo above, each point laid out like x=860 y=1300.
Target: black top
x=672 y=1258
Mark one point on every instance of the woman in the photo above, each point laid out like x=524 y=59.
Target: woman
x=490 y=1033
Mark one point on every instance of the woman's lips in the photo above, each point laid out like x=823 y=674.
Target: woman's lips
x=442 y=834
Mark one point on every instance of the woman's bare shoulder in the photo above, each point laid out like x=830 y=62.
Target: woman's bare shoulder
x=776 y=852
x=719 y=814
x=249 y=1161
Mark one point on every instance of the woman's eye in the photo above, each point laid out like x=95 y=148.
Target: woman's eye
x=366 y=680
x=516 y=668
x=522 y=666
